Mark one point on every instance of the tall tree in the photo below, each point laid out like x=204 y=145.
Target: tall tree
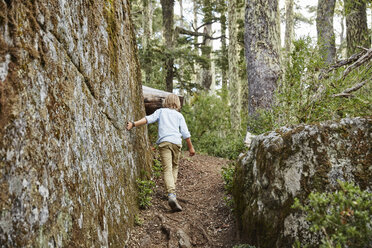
x=146 y=38
x=168 y=31
x=181 y=13
x=262 y=47
x=233 y=51
x=356 y=25
x=196 y=67
x=289 y=25
x=223 y=58
x=324 y=27
x=206 y=77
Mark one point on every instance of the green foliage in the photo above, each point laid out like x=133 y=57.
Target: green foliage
x=343 y=218
x=153 y=132
x=138 y=221
x=145 y=190
x=208 y=119
x=228 y=176
x=228 y=173
x=304 y=97
x=157 y=168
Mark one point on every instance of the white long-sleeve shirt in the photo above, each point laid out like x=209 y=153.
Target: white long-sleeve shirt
x=172 y=125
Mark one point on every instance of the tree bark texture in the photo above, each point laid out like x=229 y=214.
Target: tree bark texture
x=206 y=77
x=168 y=23
x=154 y=99
x=206 y=52
x=289 y=25
x=196 y=68
x=147 y=33
x=262 y=43
x=324 y=27
x=356 y=26
x=233 y=51
x=224 y=52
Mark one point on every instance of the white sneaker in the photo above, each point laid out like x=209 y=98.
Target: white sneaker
x=172 y=201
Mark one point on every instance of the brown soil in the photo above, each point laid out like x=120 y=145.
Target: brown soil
x=206 y=220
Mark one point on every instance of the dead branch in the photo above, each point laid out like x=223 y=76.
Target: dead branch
x=351 y=59
x=366 y=57
x=346 y=93
x=192 y=33
x=363 y=48
x=205 y=24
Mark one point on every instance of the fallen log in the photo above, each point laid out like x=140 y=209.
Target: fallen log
x=154 y=98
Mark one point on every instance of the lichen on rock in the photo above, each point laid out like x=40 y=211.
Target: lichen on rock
x=292 y=162
x=67 y=87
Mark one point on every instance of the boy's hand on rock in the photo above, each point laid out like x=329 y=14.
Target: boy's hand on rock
x=129 y=126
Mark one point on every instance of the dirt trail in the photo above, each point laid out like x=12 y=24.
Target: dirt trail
x=205 y=221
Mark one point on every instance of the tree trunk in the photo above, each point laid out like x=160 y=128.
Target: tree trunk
x=324 y=27
x=180 y=59
x=196 y=67
x=234 y=81
x=289 y=25
x=154 y=98
x=207 y=47
x=356 y=26
x=262 y=43
x=181 y=13
x=224 y=53
x=168 y=23
x=147 y=32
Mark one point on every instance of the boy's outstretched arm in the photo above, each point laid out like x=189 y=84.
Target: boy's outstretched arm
x=190 y=146
x=132 y=124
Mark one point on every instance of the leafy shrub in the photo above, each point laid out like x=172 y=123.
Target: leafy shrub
x=228 y=173
x=145 y=190
x=305 y=94
x=208 y=119
x=138 y=221
x=343 y=218
x=157 y=168
x=228 y=176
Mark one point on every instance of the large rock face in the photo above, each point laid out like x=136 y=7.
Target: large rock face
x=69 y=80
x=292 y=162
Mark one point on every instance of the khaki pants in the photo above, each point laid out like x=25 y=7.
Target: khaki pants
x=170 y=155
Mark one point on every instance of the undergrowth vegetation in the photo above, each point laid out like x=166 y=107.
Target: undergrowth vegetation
x=343 y=218
x=311 y=92
x=145 y=190
x=208 y=119
x=228 y=178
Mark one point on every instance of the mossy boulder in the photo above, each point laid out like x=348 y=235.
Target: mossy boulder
x=69 y=81
x=292 y=162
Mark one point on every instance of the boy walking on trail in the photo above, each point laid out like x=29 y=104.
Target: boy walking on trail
x=172 y=127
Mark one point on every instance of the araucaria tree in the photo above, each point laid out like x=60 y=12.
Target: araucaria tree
x=324 y=27
x=356 y=25
x=262 y=47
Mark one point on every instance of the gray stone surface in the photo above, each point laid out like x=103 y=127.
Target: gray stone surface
x=183 y=239
x=292 y=162
x=69 y=80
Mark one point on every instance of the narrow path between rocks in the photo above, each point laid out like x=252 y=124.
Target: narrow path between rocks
x=205 y=221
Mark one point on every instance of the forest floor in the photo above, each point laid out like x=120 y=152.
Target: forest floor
x=206 y=220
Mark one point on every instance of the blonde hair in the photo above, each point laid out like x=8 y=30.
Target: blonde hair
x=172 y=101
